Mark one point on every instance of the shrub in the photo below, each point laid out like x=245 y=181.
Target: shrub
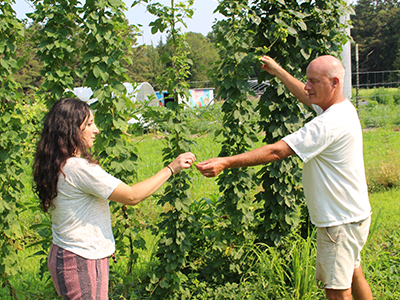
x=383 y=96
x=382 y=159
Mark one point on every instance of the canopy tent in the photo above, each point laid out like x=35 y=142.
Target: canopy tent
x=84 y=93
x=143 y=92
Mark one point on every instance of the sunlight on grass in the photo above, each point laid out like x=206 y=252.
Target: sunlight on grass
x=272 y=274
x=382 y=158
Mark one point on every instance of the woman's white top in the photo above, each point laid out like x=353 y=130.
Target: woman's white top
x=80 y=215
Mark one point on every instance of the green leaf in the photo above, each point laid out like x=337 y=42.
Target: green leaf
x=96 y=71
x=304 y=54
x=6 y=117
x=291 y=30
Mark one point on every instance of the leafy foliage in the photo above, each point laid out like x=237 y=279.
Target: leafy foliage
x=105 y=28
x=56 y=45
x=203 y=55
x=168 y=277
x=239 y=133
x=293 y=33
x=13 y=134
x=29 y=74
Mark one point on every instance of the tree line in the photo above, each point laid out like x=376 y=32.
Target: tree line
x=375 y=30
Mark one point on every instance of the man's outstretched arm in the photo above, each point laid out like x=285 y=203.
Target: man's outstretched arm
x=262 y=155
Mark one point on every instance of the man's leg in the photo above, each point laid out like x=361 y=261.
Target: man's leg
x=360 y=286
x=338 y=294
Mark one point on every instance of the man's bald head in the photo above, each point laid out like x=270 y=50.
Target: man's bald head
x=325 y=78
x=329 y=66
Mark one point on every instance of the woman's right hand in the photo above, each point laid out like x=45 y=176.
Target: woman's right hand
x=183 y=161
x=132 y=195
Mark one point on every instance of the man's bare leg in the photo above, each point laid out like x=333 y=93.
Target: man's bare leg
x=360 y=286
x=338 y=294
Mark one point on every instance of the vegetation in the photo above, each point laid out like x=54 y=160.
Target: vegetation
x=376 y=31
x=291 y=32
x=270 y=272
x=168 y=277
x=13 y=158
x=197 y=238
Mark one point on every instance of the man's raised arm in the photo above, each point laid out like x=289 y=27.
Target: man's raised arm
x=295 y=86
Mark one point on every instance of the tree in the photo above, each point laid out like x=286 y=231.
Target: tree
x=396 y=64
x=29 y=74
x=140 y=69
x=376 y=31
x=155 y=66
x=203 y=55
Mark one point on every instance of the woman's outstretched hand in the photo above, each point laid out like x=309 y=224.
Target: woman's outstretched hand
x=183 y=161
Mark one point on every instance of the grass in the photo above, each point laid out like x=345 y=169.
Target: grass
x=270 y=272
x=381 y=264
x=381 y=256
x=379 y=116
x=388 y=96
x=273 y=271
x=382 y=158
x=150 y=152
x=378 y=107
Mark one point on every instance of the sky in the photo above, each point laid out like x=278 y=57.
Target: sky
x=201 y=22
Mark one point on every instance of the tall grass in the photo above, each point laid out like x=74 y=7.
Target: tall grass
x=382 y=158
x=379 y=116
x=381 y=256
x=378 y=107
x=288 y=276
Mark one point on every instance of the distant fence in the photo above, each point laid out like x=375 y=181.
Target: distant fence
x=362 y=80
x=376 y=79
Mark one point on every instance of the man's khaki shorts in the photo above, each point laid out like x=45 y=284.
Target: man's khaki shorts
x=339 y=253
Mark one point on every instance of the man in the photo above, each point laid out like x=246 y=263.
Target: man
x=333 y=175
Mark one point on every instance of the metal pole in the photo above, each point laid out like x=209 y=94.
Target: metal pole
x=357 y=77
x=346 y=58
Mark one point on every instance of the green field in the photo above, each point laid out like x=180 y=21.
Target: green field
x=270 y=273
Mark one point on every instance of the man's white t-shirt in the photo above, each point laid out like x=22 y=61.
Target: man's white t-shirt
x=331 y=148
x=80 y=216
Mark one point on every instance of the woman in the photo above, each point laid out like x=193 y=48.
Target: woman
x=75 y=190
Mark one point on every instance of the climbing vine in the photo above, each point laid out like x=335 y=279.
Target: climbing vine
x=293 y=33
x=56 y=43
x=234 y=40
x=13 y=131
x=168 y=278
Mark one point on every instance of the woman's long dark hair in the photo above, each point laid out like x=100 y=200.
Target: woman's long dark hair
x=61 y=139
